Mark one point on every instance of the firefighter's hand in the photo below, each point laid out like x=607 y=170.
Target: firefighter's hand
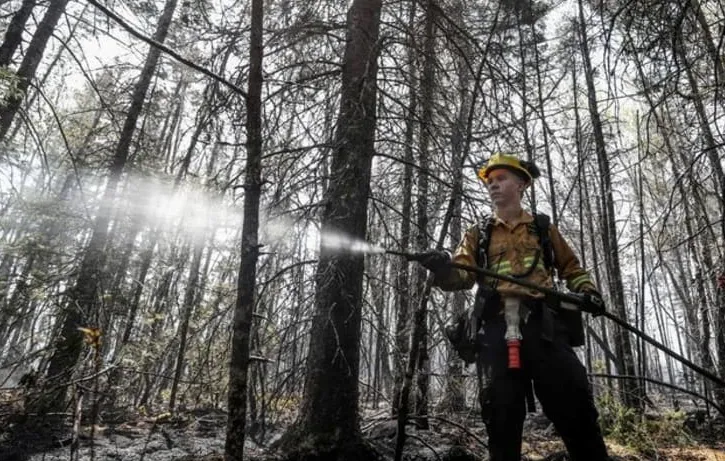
x=592 y=302
x=434 y=261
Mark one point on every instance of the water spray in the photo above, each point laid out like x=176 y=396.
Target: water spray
x=346 y=244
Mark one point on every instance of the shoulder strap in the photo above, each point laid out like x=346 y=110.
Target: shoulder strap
x=542 y=223
x=485 y=227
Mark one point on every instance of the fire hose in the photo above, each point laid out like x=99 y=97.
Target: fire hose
x=569 y=301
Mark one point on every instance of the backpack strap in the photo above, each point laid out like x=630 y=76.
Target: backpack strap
x=572 y=320
x=542 y=224
x=485 y=228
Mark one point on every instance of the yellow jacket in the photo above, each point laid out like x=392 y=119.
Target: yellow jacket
x=512 y=250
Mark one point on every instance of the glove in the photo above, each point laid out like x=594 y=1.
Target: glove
x=434 y=261
x=592 y=302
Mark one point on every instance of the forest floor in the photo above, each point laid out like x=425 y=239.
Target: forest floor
x=199 y=435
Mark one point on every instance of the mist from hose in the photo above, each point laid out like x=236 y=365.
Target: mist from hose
x=342 y=243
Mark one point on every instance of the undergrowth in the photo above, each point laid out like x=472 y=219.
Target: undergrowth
x=643 y=432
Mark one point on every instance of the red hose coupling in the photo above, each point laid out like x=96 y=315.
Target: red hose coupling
x=514 y=345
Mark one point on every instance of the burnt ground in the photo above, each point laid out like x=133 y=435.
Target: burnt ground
x=199 y=435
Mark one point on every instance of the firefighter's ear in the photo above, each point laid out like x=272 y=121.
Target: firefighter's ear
x=524 y=183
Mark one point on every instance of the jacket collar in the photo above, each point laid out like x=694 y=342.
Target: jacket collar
x=524 y=218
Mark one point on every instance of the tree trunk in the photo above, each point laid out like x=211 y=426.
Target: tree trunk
x=146 y=258
x=523 y=78
x=586 y=204
x=642 y=347
x=31 y=60
x=381 y=350
x=328 y=424
x=545 y=131
x=455 y=391
x=427 y=85
x=247 y=279
x=116 y=375
x=402 y=279
x=14 y=34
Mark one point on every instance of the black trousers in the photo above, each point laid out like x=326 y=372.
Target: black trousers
x=560 y=383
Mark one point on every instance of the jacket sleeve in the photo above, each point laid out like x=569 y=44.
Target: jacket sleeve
x=567 y=264
x=457 y=279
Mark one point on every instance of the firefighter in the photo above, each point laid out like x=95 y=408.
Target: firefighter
x=518 y=324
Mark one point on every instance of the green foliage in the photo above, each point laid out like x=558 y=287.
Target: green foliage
x=642 y=432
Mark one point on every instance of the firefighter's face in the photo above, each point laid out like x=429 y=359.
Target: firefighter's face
x=505 y=187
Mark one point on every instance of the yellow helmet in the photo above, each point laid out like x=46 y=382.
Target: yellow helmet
x=527 y=170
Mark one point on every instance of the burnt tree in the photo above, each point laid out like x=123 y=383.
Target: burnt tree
x=328 y=424
x=246 y=283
